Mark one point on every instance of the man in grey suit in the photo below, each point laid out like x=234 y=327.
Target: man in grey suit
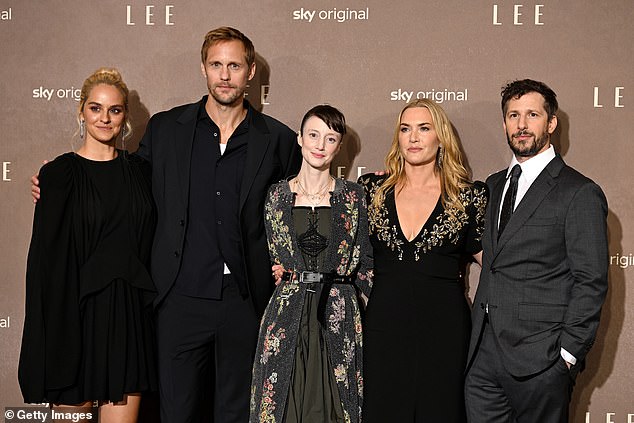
x=544 y=273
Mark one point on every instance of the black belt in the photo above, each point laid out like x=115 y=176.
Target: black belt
x=316 y=277
x=328 y=279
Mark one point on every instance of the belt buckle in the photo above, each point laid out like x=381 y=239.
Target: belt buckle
x=309 y=277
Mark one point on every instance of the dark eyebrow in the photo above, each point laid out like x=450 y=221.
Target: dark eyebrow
x=101 y=105
x=419 y=124
x=528 y=111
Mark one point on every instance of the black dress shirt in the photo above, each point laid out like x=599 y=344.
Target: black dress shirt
x=213 y=236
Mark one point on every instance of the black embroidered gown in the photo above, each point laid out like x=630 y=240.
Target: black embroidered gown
x=417 y=324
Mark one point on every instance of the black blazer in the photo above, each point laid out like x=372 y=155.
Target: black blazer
x=545 y=280
x=272 y=154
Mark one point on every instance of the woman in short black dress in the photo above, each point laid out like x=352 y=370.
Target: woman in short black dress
x=88 y=335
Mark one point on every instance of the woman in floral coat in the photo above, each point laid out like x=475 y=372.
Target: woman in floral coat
x=308 y=362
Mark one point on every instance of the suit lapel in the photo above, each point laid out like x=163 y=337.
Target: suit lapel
x=258 y=143
x=537 y=192
x=183 y=146
x=497 y=187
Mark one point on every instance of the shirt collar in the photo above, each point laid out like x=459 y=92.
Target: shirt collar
x=244 y=125
x=532 y=167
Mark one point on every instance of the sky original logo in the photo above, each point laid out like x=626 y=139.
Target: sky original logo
x=62 y=93
x=438 y=95
x=622 y=260
x=338 y=15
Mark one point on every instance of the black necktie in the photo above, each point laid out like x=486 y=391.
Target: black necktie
x=509 y=199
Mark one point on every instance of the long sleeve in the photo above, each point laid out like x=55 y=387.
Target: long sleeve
x=276 y=218
x=587 y=254
x=51 y=339
x=366 y=264
x=476 y=208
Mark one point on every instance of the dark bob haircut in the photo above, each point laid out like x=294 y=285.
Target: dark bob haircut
x=330 y=115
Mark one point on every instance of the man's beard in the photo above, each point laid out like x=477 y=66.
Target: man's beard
x=528 y=148
x=229 y=100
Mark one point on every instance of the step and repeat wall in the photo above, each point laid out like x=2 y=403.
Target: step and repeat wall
x=366 y=57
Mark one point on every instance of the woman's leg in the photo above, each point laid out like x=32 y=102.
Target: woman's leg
x=126 y=411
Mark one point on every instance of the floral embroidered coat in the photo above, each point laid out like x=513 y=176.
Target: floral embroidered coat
x=349 y=253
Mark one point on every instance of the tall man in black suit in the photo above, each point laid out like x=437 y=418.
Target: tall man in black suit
x=212 y=163
x=544 y=273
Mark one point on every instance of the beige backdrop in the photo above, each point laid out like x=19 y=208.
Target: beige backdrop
x=365 y=57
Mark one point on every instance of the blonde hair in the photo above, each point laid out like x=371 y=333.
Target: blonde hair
x=107 y=76
x=453 y=174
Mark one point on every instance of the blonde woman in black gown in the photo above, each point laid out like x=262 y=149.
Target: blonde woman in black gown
x=87 y=335
x=426 y=220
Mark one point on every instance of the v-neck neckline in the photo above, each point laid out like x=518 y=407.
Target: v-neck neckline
x=433 y=213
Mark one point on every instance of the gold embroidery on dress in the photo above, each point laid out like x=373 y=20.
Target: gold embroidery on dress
x=446 y=229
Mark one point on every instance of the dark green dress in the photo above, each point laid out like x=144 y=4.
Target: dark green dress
x=313 y=395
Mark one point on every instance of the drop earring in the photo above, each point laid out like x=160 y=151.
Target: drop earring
x=82 y=129
x=439 y=157
x=123 y=134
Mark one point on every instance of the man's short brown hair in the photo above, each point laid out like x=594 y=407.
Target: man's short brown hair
x=226 y=33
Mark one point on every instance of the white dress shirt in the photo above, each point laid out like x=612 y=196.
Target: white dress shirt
x=531 y=169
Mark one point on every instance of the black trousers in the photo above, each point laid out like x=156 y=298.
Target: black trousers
x=493 y=395
x=205 y=350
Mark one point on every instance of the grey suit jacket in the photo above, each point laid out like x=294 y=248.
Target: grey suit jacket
x=272 y=154
x=545 y=279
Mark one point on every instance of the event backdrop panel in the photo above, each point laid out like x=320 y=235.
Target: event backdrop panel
x=366 y=57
